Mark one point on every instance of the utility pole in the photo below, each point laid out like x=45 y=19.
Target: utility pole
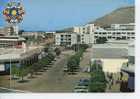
x=10 y=72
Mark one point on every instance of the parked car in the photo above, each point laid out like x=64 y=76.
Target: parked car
x=83 y=82
x=65 y=69
x=86 y=69
x=80 y=89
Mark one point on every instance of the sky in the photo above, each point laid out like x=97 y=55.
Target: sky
x=51 y=15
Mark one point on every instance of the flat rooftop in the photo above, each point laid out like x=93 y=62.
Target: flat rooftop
x=16 y=54
x=110 y=51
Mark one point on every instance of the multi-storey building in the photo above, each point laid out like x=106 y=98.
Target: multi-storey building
x=130 y=26
x=86 y=29
x=8 y=38
x=86 y=33
x=6 y=31
x=90 y=33
x=66 y=39
x=13 y=50
x=116 y=32
x=18 y=57
x=12 y=42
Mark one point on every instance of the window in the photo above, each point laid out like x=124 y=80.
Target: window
x=118 y=33
x=113 y=37
x=123 y=32
x=96 y=33
x=109 y=32
x=104 y=32
x=96 y=36
x=109 y=37
x=132 y=33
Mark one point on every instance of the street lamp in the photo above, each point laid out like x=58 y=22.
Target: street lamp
x=10 y=71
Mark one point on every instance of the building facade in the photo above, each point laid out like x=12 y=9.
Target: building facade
x=85 y=29
x=116 y=32
x=18 y=57
x=86 y=33
x=89 y=33
x=6 y=31
x=112 y=56
x=66 y=39
x=12 y=42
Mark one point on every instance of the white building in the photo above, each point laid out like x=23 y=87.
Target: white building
x=18 y=57
x=6 y=31
x=86 y=33
x=89 y=33
x=130 y=26
x=66 y=39
x=116 y=32
x=12 y=42
x=86 y=29
x=112 y=56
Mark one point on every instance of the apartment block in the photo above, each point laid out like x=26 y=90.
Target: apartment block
x=116 y=32
x=66 y=39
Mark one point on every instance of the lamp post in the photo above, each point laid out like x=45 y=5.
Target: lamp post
x=10 y=72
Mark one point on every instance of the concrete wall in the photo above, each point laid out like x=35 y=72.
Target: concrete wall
x=112 y=65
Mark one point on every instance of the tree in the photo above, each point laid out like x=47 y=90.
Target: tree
x=14 y=70
x=78 y=47
x=97 y=87
x=50 y=56
x=31 y=70
x=97 y=80
x=36 y=67
x=72 y=64
x=57 y=51
x=101 y=40
x=22 y=72
x=46 y=48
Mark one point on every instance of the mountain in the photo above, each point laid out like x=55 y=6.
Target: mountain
x=119 y=16
x=65 y=30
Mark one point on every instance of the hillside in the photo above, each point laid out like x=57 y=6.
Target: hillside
x=121 y=15
x=118 y=16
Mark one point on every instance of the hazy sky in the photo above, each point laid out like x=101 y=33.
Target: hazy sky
x=57 y=14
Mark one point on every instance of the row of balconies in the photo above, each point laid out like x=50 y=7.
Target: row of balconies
x=100 y=33
x=116 y=37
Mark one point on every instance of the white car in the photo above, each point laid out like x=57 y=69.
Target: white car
x=86 y=69
x=80 y=89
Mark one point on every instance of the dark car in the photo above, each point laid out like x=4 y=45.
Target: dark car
x=83 y=82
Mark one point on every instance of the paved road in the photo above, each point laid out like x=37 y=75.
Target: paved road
x=4 y=81
x=86 y=58
x=54 y=80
